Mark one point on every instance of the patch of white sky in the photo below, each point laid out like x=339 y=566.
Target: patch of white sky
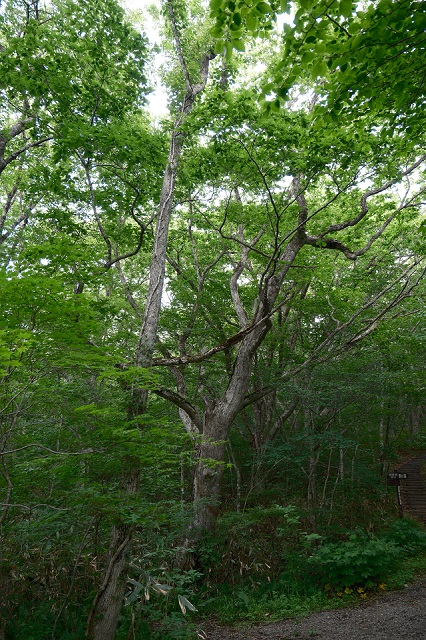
x=157 y=100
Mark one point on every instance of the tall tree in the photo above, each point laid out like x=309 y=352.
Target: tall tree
x=105 y=611
x=212 y=260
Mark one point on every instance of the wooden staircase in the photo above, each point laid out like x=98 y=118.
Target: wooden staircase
x=413 y=487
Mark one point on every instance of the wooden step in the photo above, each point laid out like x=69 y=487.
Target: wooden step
x=413 y=488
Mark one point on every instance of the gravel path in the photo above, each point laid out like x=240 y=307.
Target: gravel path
x=394 y=616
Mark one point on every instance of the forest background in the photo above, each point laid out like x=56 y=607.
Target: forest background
x=212 y=331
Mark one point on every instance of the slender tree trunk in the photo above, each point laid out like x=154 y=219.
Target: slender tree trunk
x=103 y=618
x=342 y=463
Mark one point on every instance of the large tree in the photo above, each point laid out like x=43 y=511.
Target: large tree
x=206 y=267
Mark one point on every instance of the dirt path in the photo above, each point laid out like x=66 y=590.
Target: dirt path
x=394 y=616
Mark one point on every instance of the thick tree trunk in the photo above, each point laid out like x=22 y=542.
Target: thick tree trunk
x=209 y=473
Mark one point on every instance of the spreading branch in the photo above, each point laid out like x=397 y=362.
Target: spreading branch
x=352 y=222
x=183 y=403
x=4 y=162
x=224 y=346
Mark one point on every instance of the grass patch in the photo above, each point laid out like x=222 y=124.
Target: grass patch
x=410 y=570
x=253 y=606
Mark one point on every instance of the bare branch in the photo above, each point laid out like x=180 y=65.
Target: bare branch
x=8 y=205
x=201 y=276
x=224 y=346
x=33 y=506
x=178 y=46
x=94 y=207
x=368 y=194
x=13 y=156
x=325 y=344
x=282 y=418
x=405 y=292
x=262 y=176
x=182 y=403
x=238 y=271
x=330 y=243
x=57 y=453
x=130 y=299
x=112 y=261
x=19 y=127
x=23 y=217
x=6 y=476
x=143 y=229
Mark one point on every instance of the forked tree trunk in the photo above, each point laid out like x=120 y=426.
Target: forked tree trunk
x=220 y=415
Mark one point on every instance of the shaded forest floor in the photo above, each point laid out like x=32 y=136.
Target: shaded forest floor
x=398 y=615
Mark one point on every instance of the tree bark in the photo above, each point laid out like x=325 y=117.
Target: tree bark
x=220 y=414
x=103 y=618
x=102 y=622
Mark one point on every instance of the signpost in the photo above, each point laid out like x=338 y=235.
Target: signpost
x=394 y=480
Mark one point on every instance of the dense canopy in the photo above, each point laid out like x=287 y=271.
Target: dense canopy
x=212 y=327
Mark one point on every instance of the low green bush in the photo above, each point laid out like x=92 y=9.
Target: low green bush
x=250 y=544
x=360 y=561
x=407 y=534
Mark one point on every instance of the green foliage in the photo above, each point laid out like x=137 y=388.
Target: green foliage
x=360 y=561
x=234 y=20
x=252 y=545
x=351 y=570
x=358 y=55
x=409 y=535
x=71 y=311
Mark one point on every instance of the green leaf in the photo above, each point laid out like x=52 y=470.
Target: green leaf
x=319 y=68
x=308 y=56
x=217 y=32
x=251 y=22
x=354 y=28
x=237 y=18
x=238 y=45
x=276 y=105
x=228 y=50
x=345 y=8
x=219 y=46
x=264 y=8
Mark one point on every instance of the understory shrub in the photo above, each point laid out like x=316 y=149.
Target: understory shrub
x=361 y=560
x=250 y=545
x=407 y=534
